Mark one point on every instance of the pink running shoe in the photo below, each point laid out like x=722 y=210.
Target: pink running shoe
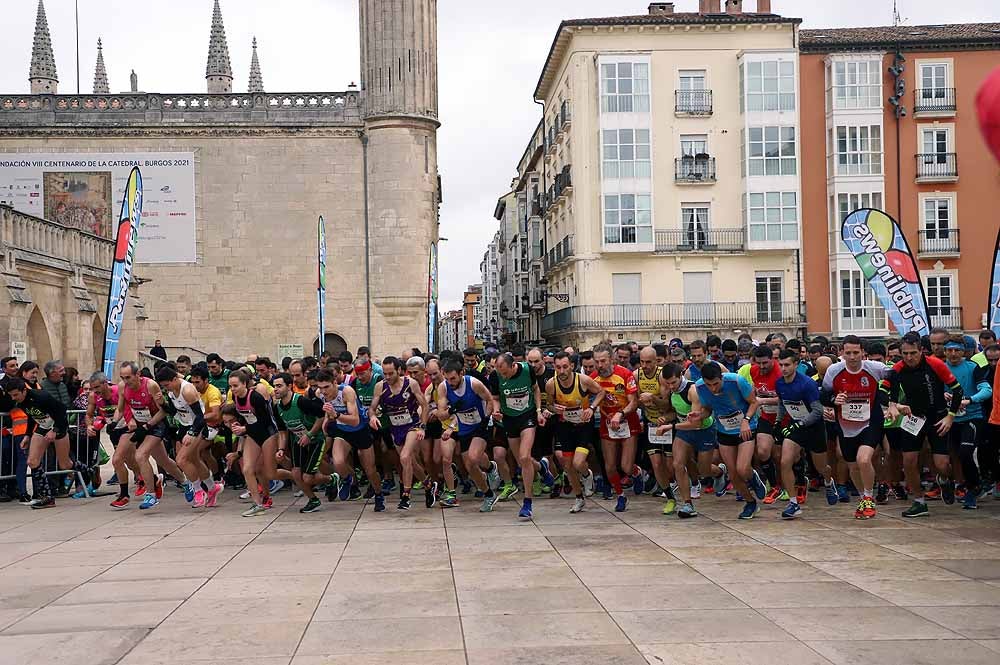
x=212 y=495
x=199 y=498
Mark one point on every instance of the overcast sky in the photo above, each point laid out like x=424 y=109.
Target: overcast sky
x=490 y=57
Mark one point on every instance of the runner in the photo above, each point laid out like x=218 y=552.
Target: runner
x=967 y=431
x=470 y=401
x=518 y=410
x=544 y=433
x=764 y=375
x=851 y=387
x=430 y=446
x=300 y=431
x=185 y=403
x=347 y=425
x=101 y=403
x=620 y=425
x=403 y=402
x=929 y=416
x=689 y=432
x=656 y=411
x=211 y=449
x=218 y=375
x=250 y=418
x=800 y=400
x=573 y=399
x=731 y=400
x=47 y=426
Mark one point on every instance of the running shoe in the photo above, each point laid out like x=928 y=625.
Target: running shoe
x=608 y=493
x=969 y=502
x=84 y=493
x=721 y=483
x=772 y=496
x=404 y=503
x=784 y=495
x=669 y=507
x=791 y=511
x=622 y=505
x=802 y=494
x=199 y=498
x=113 y=480
x=842 y=495
x=449 y=500
x=189 y=491
x=556 y=490
x=687 y=511
x=158 y=486
x=868 y=510
x=268 y=503
x=959 y=492
x=947 y=489
x=758 y=486
x=739 y=497
x=245 y=496
x=24 y=499
x=466 y=485
x=213 y=495
x=379 y=503
x=344 y=490
x=419 y=485
x=298 y=494
x=750 y=510
x=696 y=491
x=578 y=505
x=507 y=491
x=832 y=498
x=275 y=486
x=525 y=513
x=140 y=488
x=882 y=494
x=899 y=492
x=254 y=511
x=120 y=503
x=389 y=485
x=430 y=494
x=39 y=504
x=488 y=503
x=149 y=501
x=547 y=477
x=933 y=494
x=918 y=509
x=369 y=493
x=588 y=484
x=312 y=506
x=639 y=478
x=493 y=477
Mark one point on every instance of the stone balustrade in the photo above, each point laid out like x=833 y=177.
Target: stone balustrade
x=36 y=240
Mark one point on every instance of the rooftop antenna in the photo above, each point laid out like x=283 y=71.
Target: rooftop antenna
x=896 y=18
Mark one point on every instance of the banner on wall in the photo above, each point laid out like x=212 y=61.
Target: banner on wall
x=994 y=304
x=885 y=259
x=79 y=190
x=121 y=269
x=432 y=297
x=321 y=283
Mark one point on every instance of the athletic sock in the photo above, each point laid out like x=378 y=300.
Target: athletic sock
x=616 y=483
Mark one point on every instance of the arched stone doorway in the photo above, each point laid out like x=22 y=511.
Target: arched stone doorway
x=39 y=345
x=334 y=344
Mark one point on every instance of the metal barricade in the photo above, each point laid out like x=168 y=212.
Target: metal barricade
x=8 y=456
x=77 y=433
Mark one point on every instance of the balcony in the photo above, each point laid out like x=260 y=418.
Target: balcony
x=937 y=167
x=675 y=316
x=949 y=318
x=565 y=116
x=938 y=242
x=697 y=170
x=684 y=241
x=538 y=299
x=561 y=251
x=934 y=102
x=693 y=102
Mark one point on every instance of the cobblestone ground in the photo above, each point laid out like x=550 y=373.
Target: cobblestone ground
x=84 y=584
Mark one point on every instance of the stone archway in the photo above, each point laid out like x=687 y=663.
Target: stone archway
x=334 y=344
x=39 y=344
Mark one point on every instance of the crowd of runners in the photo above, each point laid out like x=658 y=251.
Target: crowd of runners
x=912 y=421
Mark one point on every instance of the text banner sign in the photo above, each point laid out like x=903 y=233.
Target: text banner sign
x=81 y=190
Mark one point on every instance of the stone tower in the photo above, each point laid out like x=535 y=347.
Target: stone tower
x=42 y=75
x=256 y=80
x=101 y=86
x=400 y=95
x=218 y=71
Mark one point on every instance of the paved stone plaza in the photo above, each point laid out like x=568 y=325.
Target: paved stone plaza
x=84 y=584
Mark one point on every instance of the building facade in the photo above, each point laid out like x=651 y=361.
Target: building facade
x=265 y=166
x=892 y=109
x=451 y=331
x=489 y=270
x=472 y=315
x=664 y=178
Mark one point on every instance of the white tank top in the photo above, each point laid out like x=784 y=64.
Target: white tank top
x=185 y=414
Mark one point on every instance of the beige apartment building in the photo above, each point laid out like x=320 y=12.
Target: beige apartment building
x=665 y=180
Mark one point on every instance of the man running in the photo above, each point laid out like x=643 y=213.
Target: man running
x=764 y=375
x=470 y=402
x=300 y=432
x=211 y=406
x=967 y=431
x=47 y=426
x=101 y=403
x=620 y=424
x=347 y=425
x=929 y=416
x=656 y=408
x=185 y=402
x=573 y=399
x=731 y=400
x=542 y=448
x=800 y=400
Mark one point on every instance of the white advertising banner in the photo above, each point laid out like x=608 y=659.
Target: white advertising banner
x=79 y=190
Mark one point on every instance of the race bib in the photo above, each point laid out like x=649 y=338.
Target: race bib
x=141 y=415
x=45 y=422
x=620 y=432
x=518 y=403
x=297 y=431
x=912 y=424
x=857 y=412
x=250 y=417
x=770 y=409
x=797 y=410
x=185 y=418
x=573 y=416
x=470 y=417
x=660 y=439
x=400 y=419
x=731 y=422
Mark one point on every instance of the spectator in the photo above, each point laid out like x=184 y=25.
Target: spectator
x=54 y=383
x=158 y=351
x=72 y=382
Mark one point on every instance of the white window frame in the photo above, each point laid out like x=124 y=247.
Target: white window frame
x=627 y=74
x=856 y=84
x=693 y=141
x=691 y=75
x=932 y=281
x=696 y=224
x=770 y=85
x=767 y=150
x=766 y=210
x=772 y=309
x=868 y=310
x=642 y=232
x=857 y=150
x=937 y=92
x=634 y=142
x=936 y=130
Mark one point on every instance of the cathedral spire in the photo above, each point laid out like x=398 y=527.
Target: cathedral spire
x=100 y=73
x=256 y=80
x=42 y=74
x=219 y=71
